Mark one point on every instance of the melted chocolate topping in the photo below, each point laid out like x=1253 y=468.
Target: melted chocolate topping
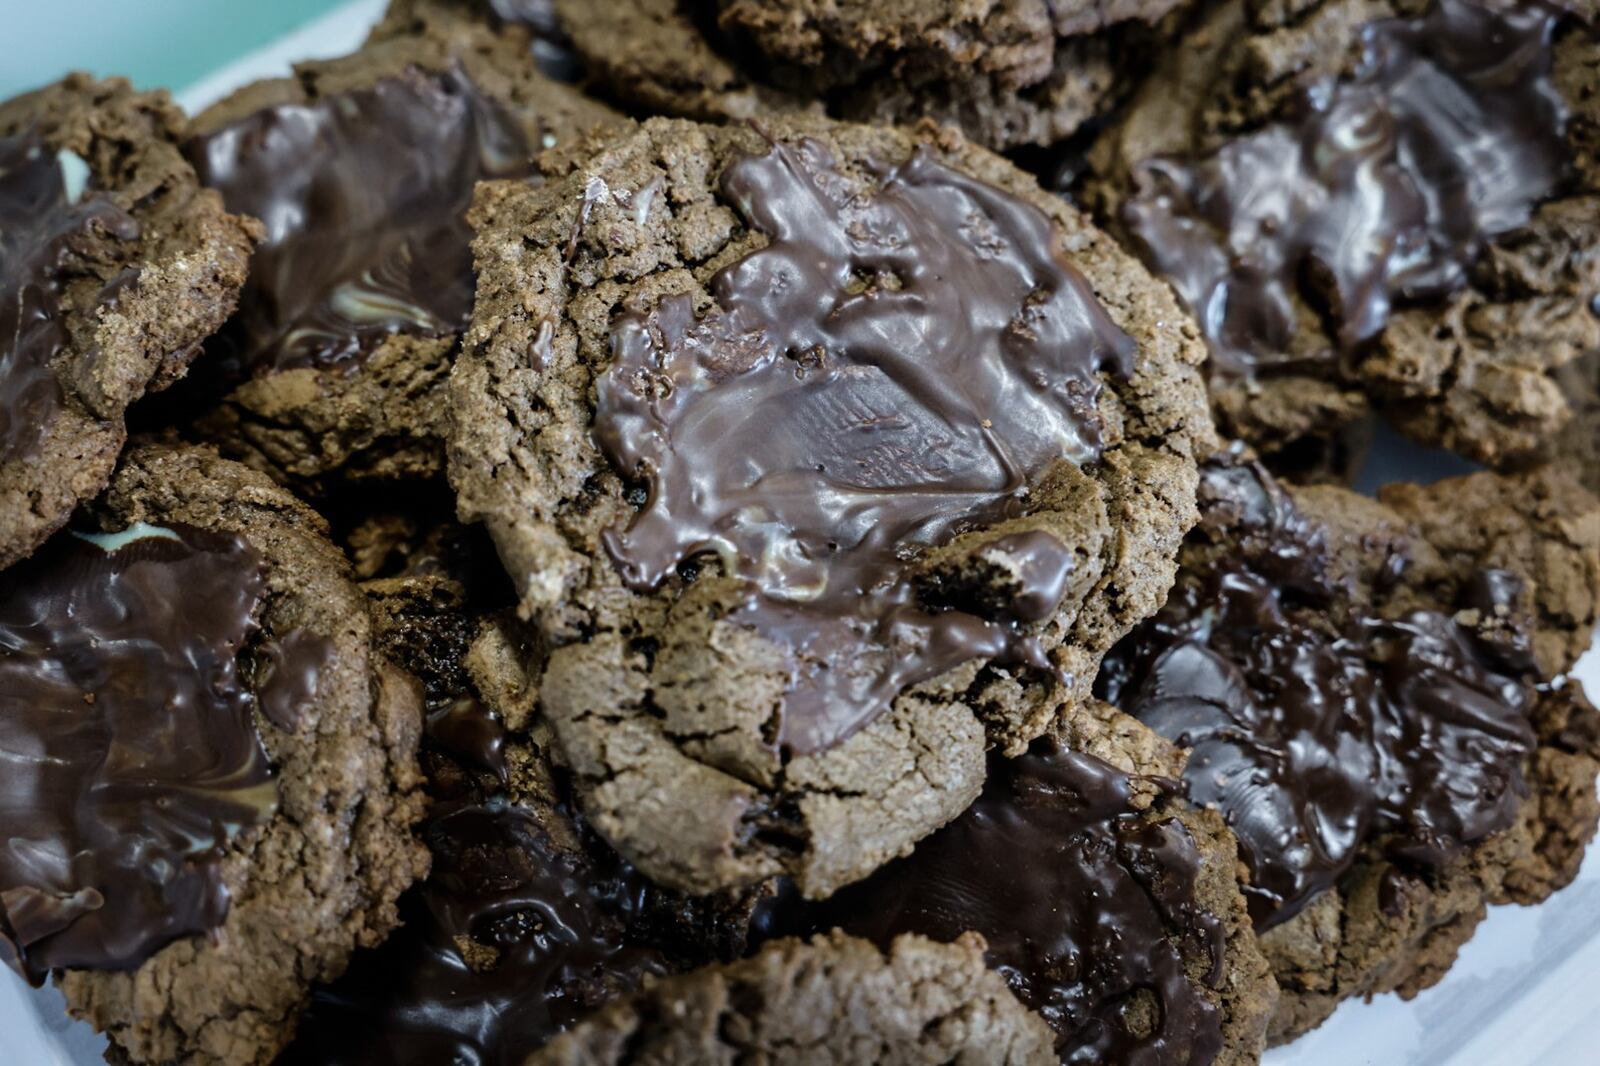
x=1384 y=189
x=42 y=229
x=1080 y=899
x=890 y=371
x=363 y=196
x=1315 y=737
x=295 y=664
x=510 y=941
x=131 y=757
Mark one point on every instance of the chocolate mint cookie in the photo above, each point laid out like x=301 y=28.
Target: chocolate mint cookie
x=1018 y=72
x=527 y=921
x=114 y=265
x=833 y=1000
x=1578 y=446
x=1109 y=905
x=1371 y=695
x=225 y=773
x=826 y=457
x=361 y=170
x=1374 y=203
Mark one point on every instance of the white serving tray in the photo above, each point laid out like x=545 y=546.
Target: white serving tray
x=1526 y=990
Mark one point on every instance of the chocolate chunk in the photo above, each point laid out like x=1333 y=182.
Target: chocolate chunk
x=132 y=756
x=466 y=730
x=886 y=373
x=1385 y=189
x=510 y=941
x=363 y=195
x=1316 y=728
x=1076 y=895
x=43 y=222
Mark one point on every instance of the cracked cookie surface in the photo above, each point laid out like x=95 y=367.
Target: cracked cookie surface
x=835 y=999
x=731 y=710
x=1007 y=73
x=114 y=266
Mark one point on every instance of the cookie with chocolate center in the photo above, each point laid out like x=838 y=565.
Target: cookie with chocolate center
x=216 y=776
x=1108 y=904
x=361 y=170
x=1007 y=73
x=114 y=266
x=1373 y=206
x=1372 y=695
x=825 y=457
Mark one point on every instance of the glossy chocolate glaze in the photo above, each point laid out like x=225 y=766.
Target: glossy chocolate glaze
x=510 y=941
x=887 y=373
x=1383 y=189
x=363 y=195
x=43 y=230
x=1082 y=902
x=294 y=667
x=1316 y=728
x=130 y=753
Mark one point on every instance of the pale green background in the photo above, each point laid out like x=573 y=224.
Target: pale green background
x=170 y=43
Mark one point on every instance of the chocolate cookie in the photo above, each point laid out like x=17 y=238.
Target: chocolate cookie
x=114 y=265
x=1110 y=906
x=1384 y=203
x=1371 y=695
x=362 y=169
x=826 y=456
x=1578 y=446
x=527 y=921
x=226 y=770
x=532 y=22
x=1018 y=72
x=833 y=1000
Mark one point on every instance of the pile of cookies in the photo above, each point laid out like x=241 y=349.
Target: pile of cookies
x=798 y=531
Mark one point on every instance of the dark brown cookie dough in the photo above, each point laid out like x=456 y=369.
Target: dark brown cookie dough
x=1008 y=73
x=527 y=921
x=114 y=265
x=711 y=755
x=362 y=169
x=833 y=1000
x=308 y=739
x=1577 y=449
x=1110 y=906
x=1372 y=696
x=1382 y=204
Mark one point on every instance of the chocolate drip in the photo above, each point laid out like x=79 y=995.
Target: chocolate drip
x=890 y=371
x=363 y=195
x=131 y=757
x=43 y=237
x=295 y=664
x=1315 y=731
x=1385 y=188
x=1078 y=897
x=510 y=941
x=470 y=733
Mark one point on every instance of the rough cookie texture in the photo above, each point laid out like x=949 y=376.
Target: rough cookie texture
x=108 y=288
x=1500 y=297
x=1577 y=449
x=666 y=708
x=1391 y=668
x=337 y=359
x=1108 y=903
x=321 y=878
x=527 y=920
x=1007 y=72
x=833 y=1000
